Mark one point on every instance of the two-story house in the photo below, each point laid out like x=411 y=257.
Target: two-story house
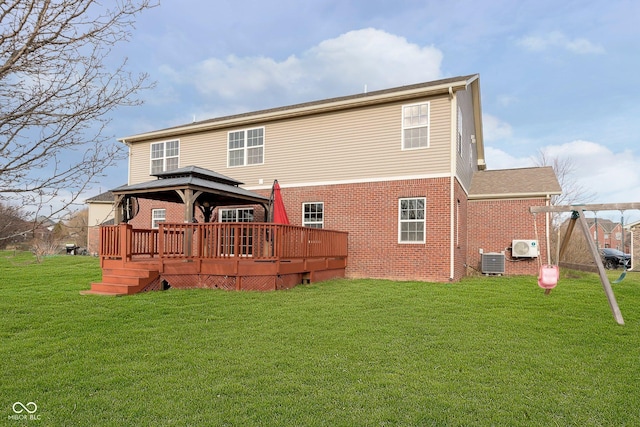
x=608 y=234
x=401 y=170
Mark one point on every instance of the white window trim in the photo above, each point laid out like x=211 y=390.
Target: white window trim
x=236 y=210
x=307 y=223
x=245 y=148
x=164 y=155
x=428 y=125
x=424 y=222
x=156 y=221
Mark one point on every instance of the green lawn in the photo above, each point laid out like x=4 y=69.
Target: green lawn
x=485 y=351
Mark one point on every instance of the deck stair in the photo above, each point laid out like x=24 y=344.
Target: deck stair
x=125 y=280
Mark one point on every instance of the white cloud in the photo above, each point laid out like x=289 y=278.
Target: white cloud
x=338 y=66
x=556 y=39
x=506 y=100
x=499 y=159
x=613 y=177
x=495 y=129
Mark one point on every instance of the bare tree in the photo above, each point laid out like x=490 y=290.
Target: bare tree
x=572 y=193
x=58 y=84
x=76 y=228
x=12 y=226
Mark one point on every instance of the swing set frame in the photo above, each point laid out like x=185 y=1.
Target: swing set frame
x=578 y=217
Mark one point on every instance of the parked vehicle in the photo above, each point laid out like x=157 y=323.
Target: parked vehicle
x=613 y=258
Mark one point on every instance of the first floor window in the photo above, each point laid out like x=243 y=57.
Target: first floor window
x=236 y=215
x=313 y=215
x=158 y=216
x=165 y=156
x=242 y=238
x=411 y=220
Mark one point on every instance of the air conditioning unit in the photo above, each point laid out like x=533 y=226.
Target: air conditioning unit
x=492 y=263
x=524 y=249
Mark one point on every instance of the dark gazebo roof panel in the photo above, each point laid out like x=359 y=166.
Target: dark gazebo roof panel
x=217 y=188
x=195 y=171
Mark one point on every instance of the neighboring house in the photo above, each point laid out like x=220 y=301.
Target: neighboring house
x=608 y=234
x=633 y=230
x=101 y=212
x=401 y=170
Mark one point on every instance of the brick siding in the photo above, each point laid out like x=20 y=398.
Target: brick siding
x=494 y=224
x=369 y=212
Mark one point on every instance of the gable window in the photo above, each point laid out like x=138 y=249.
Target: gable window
x=245 y=147
x=236 y=215
x=158 y=216
x=415 y=126
x=411 y=220
x=165 y=156
x=313 y=215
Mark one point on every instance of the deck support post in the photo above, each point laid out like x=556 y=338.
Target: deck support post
x=125 y=242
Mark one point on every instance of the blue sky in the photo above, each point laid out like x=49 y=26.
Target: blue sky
x=555 y=76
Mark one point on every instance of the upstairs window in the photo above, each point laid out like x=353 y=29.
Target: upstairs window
x=246 y=147
x=411 y=220
x=415 y=126
x=313 y=215
x=165 y=156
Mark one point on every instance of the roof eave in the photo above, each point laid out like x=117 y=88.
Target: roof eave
x=309 y=109
x=535 y=195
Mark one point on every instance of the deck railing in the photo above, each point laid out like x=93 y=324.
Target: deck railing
x=261 y=241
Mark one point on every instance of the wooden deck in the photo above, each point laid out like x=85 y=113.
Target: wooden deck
x=233 y=256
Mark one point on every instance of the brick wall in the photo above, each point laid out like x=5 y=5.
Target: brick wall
x=494 y=224
x=174 y=212
x=93 y=240
x=369 y=212
x=461 y=230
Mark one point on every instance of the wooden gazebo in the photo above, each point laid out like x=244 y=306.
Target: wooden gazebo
x=240 y=256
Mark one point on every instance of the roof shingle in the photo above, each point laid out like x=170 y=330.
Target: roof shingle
x=535 y=181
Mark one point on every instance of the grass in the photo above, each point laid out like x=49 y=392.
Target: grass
x=485 y=351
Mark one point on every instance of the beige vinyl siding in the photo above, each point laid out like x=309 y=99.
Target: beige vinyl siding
x=99 y=213
x=357 y=144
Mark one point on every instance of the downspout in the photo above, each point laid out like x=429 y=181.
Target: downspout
x=452 y=207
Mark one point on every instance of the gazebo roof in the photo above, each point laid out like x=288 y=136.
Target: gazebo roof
x=213 y=188
x=198 y=172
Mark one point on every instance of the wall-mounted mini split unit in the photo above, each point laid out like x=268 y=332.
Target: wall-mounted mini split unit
x=492 y=263
x=524 y=249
